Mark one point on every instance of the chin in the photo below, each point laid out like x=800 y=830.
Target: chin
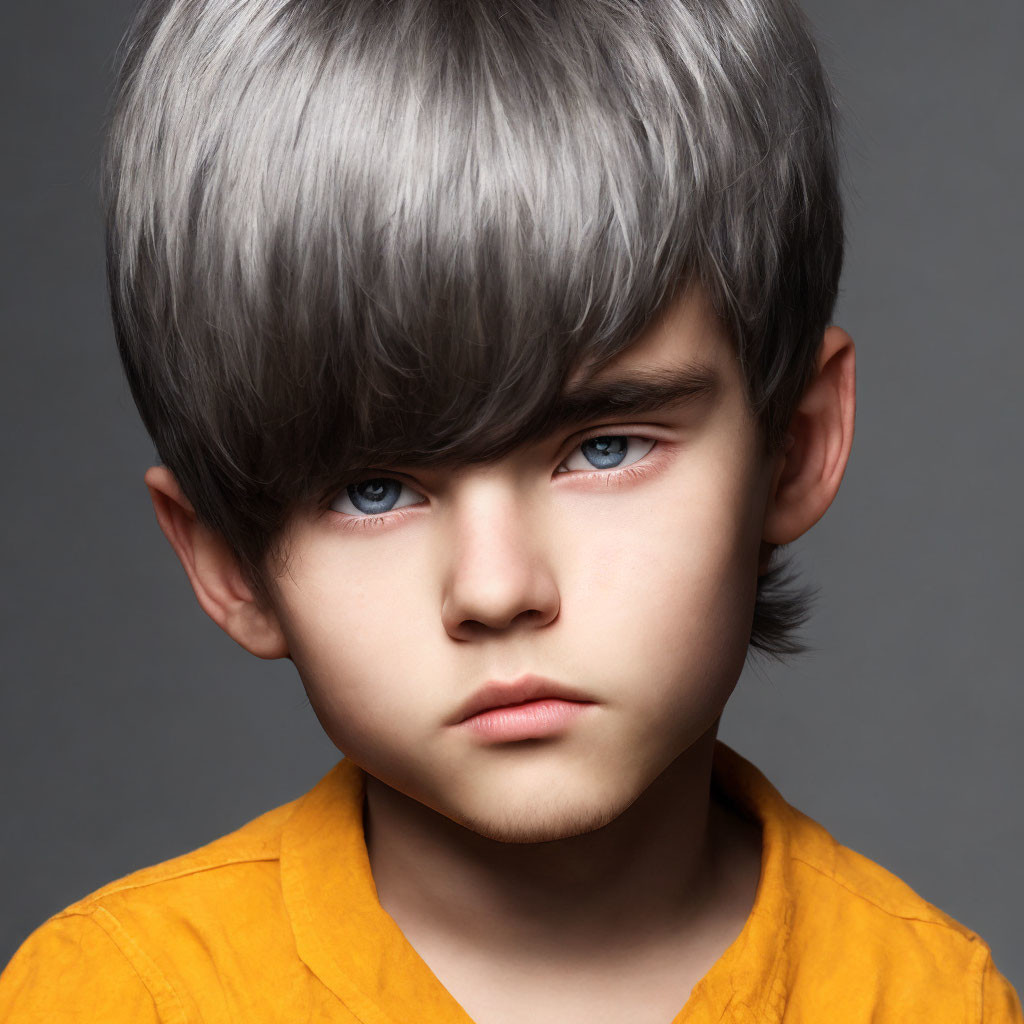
x=539 y=821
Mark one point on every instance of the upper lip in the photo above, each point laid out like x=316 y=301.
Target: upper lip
x=525 y=688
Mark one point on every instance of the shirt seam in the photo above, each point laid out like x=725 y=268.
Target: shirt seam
x=964 y=932
x=95 y=899
x=773 y=995
x=979 y=964
x=353 y=999
x=166 y=1002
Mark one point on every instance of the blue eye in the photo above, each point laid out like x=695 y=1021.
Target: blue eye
x=377 y=496
x=611 y=451
x=372 y=497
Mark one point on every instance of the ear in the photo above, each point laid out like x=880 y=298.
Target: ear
x=821 y=432
x=213 y=570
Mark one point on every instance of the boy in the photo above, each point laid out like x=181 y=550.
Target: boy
x=486 y=351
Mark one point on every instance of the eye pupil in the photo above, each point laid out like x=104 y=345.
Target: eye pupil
x=609 y=450
x=372 y=489
x=373 y=496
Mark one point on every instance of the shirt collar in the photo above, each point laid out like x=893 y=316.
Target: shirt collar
x=358 y=951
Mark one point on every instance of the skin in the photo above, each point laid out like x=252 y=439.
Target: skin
x=567 y=874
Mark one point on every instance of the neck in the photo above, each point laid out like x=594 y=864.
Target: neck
x=648 y=874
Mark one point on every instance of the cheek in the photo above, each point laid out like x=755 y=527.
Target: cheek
x=357 y=637
x=668 y=581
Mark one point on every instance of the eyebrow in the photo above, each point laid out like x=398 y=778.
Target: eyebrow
x=633 y=393
x=624 y=395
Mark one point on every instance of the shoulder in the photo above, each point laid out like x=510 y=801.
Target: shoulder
x=842 y=931
x=110 y=954
x=236 y=855
x=860 y=930
x=190 y=899
x=859 y=883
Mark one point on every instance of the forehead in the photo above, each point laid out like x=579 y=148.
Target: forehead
x=681 y=358
x=686 y=332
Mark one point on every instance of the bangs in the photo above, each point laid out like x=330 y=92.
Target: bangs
x=372 y=239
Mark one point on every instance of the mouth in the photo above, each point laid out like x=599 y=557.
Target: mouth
x=527 y=689
x=531 y=720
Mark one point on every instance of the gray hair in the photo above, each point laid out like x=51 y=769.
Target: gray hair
x=350 y=233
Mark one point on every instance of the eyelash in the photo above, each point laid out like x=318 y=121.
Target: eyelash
x=648 y=463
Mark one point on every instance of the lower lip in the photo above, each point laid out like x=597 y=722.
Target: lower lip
x=526 y=721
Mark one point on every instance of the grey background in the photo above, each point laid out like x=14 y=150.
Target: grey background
x=133 y=729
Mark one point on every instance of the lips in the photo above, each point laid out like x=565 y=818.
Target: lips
x=526 y=688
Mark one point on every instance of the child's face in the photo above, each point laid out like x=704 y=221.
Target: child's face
x=637 y=591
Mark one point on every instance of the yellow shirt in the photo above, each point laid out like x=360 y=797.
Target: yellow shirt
x=279 y=921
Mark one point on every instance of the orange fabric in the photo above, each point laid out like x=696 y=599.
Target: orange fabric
x=280 y=921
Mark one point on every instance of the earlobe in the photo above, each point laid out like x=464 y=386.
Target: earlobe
x=213 y=570
x=810 y=472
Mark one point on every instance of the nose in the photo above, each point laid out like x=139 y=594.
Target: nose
x=498 y=572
